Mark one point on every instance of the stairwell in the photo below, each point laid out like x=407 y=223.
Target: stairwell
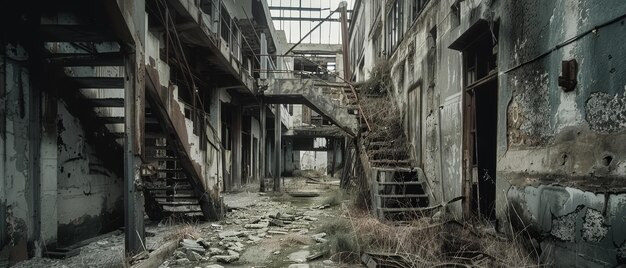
x=93 y=63
x=398 y=187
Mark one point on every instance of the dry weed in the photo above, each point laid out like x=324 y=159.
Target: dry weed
x=187 y=231
x=295 y=240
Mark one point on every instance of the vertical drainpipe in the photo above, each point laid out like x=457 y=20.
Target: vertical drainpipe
x=345 y=40
x=441 y=179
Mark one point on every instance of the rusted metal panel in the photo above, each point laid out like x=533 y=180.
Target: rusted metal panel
x=140 y=103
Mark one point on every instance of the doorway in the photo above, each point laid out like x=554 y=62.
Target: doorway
x=480 y=122
x=483 y=112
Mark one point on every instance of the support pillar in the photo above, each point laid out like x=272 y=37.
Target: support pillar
x=236 y=149
x=133 y=198
x=277 y=147
x=347 y=74
x=262 y=135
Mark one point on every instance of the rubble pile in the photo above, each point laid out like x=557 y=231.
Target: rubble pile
x=247 y=225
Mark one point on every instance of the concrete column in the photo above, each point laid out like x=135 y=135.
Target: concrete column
x=133 y=199
x=264 y=58
x=236 y=149
x=262 y=134
x=277 y=148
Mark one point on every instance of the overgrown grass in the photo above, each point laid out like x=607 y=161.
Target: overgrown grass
x=423 y=242
x=335 y=198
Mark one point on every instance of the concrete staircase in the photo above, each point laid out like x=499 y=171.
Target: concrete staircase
x=315 y=95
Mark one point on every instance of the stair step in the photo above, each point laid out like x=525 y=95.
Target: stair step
x=408 y=209
x=172 y=188
x=113 y=119
x=99 y=82
x=107 y=102
x=169 y=170
x=175 y=196
x=73 y=33
x=161 y=158
x=85 y=59
x=402 y=195
x=400 y=183
x=178 y=203
x=183 y=209
x=395 y=162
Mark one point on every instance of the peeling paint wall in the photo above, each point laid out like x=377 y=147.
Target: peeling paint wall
x=435 y=119
x=89 y=194
x=17 y=195
x=560 y=155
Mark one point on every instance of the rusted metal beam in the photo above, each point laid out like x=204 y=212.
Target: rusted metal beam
x=133 y=207
x=345 y=40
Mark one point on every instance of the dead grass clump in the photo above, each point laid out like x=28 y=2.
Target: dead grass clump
x=187 y=231
x=345 y=247
x=335 y=226
x=334 y=199
x=295 y=240
x=424 y=243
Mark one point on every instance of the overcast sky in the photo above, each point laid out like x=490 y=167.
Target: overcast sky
x=328 y=33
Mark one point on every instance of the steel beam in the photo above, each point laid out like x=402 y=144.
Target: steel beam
x=133 y=207
x=262 y=118
x=277 y=148
x=343 y=6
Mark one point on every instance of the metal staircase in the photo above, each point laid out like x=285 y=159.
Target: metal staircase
x=398 y=188
x=315 y=95
x=93 y=63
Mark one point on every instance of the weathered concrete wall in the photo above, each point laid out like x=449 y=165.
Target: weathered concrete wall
x=427 y=90
x=89 y=200
x=17 y=195
x=560 y=155
x=572 y=141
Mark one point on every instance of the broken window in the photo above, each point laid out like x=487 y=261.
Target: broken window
x=416 y=8
x=455 y=14
x=225 y=23
x=395 y=25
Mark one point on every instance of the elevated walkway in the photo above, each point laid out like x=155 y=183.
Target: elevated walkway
x=317 y=97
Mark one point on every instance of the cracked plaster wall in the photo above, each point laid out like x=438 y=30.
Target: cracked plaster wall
x=89 y=199
x=561 y=155
x=552 y=145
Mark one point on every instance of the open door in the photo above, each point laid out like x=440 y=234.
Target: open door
x=480 y=124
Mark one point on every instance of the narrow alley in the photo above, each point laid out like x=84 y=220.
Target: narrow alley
x=301 y=133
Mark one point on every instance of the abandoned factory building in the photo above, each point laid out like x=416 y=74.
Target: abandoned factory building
x=118 y=112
